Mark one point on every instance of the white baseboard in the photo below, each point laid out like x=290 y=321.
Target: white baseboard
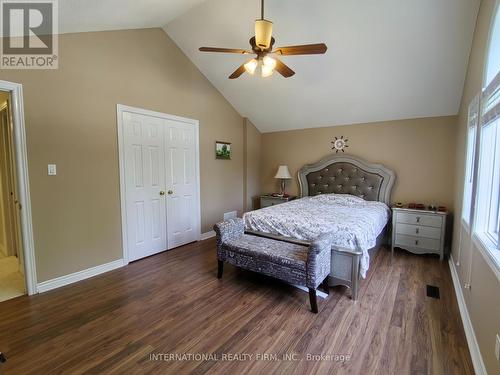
x=78 y=276
x=207 y=235
x=475 y=353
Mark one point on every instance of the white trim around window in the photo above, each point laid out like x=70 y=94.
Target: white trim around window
x=490 y=255
x=487 y=191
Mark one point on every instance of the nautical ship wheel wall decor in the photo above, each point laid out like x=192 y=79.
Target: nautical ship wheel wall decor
x=340 y=144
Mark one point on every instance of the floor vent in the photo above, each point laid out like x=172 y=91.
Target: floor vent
x=432 y=291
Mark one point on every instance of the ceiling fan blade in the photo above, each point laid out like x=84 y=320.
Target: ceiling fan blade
x=238 y=72
x=224 y=50
x=283 y=69
x=306 y=49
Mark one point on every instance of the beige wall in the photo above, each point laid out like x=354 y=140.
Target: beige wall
x=420 y=151
x=483 y=299
x=252 y=164
x=71 y=121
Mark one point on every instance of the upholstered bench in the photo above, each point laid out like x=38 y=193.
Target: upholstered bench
x=297 y=264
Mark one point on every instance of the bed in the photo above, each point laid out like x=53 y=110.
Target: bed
x=356 y=192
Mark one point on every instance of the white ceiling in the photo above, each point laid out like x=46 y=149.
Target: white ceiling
x=98 y=15
x=386 y=59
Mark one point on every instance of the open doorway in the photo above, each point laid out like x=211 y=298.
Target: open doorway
x=11 y=258
x=17 y=254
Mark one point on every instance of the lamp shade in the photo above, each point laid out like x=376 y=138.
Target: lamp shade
x=263 y=33
x=269 y=62
x=283 y=172
x=251 y=65
x=266 y=71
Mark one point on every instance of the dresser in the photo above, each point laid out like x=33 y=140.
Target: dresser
x=269 y=200
x=419 y=231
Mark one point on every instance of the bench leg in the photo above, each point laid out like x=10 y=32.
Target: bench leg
x=220 y=268
x=312 y=299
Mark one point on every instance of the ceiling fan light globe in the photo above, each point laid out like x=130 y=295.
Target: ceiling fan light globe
x=266 y=71
x=263 y=33
x=251 y=66
x=269 y=62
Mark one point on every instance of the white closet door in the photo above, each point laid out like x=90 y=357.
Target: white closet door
x=144 y=153
x=182 y=209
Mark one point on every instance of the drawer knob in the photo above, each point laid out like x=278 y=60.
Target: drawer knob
x=418 y=219
x=416 y=242
x=417 y=230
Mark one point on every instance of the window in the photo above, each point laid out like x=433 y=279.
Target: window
x=488 y=188
x=487 y=210
x=493 y=62
x=469 y=161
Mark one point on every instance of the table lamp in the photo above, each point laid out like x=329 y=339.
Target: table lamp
x=283 y=174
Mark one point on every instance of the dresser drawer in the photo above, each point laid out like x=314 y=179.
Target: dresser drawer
x=418 y=231
x=419 y=219
x=266 y=202
x=417 y=242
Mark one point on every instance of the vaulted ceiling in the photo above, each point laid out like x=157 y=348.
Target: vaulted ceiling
x=386 y=59
x=98 y=15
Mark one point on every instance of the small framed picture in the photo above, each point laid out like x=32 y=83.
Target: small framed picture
x=222 y=150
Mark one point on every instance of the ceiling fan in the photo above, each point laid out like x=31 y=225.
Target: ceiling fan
x=262 y=46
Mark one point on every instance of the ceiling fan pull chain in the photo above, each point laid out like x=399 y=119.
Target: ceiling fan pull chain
x=261 y=9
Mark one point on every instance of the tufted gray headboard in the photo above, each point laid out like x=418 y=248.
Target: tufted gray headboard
x=347 y=175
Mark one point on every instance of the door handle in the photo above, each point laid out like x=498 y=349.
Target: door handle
x=170 y=192
x=162 y=192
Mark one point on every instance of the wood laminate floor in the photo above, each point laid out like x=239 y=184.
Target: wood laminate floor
x=134 y=320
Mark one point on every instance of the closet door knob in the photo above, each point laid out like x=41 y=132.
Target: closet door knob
x=170 y=192
x=162 y=192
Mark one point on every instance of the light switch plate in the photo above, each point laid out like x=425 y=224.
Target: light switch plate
x=52 y=169
x=497 y=348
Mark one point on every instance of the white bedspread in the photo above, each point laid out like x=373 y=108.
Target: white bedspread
x=354 y=222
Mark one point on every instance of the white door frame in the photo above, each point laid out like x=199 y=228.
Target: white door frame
x=23 y=186
x=120 y=109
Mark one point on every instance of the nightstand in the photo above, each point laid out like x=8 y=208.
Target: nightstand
x=269 y=200
x=418 y=231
